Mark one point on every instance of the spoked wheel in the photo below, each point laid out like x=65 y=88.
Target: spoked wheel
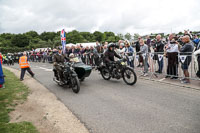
x=75 y=84
x=105 y=73
x=129 y=76
x=82 y=79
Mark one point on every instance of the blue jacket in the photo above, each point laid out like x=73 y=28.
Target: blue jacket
x=196 y=41
x=130 y=50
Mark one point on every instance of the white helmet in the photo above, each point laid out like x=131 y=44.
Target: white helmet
x=71 y=55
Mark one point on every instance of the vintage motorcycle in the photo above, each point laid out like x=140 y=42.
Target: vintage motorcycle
x=117 y=70
x=70 y=77
x=73 y=72
x=81 y=69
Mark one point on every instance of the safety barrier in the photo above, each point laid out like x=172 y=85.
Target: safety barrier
x=168 y=64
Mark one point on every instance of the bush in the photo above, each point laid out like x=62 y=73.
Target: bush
x=5 y=50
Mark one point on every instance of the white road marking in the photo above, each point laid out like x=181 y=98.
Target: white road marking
x=46 y=69
x=161 y=79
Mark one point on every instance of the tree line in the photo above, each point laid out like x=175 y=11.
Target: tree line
x=30 y=40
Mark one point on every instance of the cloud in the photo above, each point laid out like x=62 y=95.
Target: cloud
x=122 y=16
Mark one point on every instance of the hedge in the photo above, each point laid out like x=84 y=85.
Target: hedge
x=5 y=50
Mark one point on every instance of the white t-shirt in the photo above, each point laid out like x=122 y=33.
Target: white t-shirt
x=172 y=48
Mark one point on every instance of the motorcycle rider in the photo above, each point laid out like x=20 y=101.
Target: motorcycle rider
x=109 y=56
x=58 y=61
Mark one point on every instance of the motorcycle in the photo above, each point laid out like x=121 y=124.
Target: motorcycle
x=10 y=60
x=70 y=77
x=81 y=69
x=117 y=70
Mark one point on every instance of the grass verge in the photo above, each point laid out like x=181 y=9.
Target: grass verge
x=13 y=94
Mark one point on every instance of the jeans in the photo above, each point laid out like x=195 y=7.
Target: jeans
x=146 y=65
x=160 y=65
x=131 y=63
x=23 y=70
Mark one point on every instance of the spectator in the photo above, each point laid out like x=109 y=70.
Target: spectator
x=129 y=52
x=121 y=49
x=144 y=52
x=44 y=56
x=186 y=50
x=149 y=43
x=137 y=48
x=98 y=47
x=159 y=51
x=196 y=40
x=172 y=56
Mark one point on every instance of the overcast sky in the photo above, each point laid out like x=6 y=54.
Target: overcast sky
x=119 y=16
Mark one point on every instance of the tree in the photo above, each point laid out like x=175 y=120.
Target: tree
x=128 y=36
x=136 y=36
x=56 y=42
x=111 y=39
x=180 y=33
x=88 y=37
x=108 y=37
x=74 y=37
x=98 y=36
x=20 y=40
x=48 y=36
x=121 y=36
x=32 y=34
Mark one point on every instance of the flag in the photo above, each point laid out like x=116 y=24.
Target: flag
x=152 y=55
x=137 y=57
x=63 y=40
x=160 y=57
x=183 y=58
x=144 y=55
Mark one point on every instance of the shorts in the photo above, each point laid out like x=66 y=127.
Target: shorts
x=185 y=66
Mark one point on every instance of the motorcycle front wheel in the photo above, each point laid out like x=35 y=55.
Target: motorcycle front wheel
x=129 y=76
x=75 y=84
x=105 y=73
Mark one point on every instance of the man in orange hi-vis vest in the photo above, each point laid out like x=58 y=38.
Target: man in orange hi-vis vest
x=24 y=65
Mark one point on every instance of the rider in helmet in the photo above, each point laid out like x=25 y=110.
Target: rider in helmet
x=109 y=57
x=58 y=59
x=110 y=54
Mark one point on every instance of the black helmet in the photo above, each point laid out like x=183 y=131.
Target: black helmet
x=111 y=45
x=59 y=48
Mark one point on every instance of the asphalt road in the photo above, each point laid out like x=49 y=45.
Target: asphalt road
x=114 y=107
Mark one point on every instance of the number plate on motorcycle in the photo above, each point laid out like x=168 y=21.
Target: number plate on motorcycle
x=123 y=63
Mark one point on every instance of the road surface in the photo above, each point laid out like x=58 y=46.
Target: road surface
x=114 y=107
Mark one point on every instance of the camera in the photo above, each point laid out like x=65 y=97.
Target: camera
x=173 y=42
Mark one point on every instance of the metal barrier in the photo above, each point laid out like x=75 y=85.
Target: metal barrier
x=170 y=63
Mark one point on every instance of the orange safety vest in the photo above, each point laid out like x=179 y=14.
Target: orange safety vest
x=23 y=63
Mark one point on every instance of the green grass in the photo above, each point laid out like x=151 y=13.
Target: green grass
x=14 y=93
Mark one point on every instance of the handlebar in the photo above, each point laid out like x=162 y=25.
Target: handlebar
x=118 y=61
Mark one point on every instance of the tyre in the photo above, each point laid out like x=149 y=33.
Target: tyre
x=82 y=79
x=105 y=73
x=75 y=84
x=129 y=76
